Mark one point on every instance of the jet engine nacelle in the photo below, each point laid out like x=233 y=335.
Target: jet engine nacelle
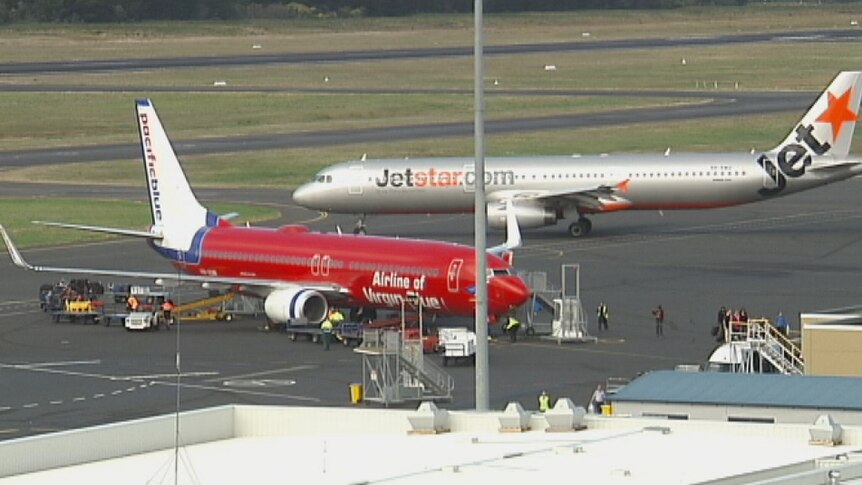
x=529 y=216
x=296 y=305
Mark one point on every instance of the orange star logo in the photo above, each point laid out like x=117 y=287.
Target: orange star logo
x=838 y=112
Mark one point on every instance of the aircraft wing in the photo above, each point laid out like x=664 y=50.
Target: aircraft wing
x=18 y=260
x=594 y=197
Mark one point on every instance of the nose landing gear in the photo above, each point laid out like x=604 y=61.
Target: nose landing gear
x=359 y=228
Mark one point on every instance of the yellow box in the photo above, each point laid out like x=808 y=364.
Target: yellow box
x=81 y=306
x=356 y=393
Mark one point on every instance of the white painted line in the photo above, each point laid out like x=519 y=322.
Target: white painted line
x=59 y=364
x=31 y=405
x=116 y=392
x=241 y=391
x=98 y=396
x=15 y=302
x=14 y=314
x=168 y=376
x=131 y=389
x=59 y=371
x=4 y=408
x=55 y=403
x=78 y=399
x=268 y=372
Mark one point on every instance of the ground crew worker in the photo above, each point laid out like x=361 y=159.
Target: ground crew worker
x=544 y=402
x=512 y=326
x=597 y=400
x=326 y=329
x=132 y=303
x=168 y=307
x=336 y=317
x=658 y=313
x=602 y=314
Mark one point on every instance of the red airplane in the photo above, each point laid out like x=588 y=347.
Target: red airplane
x=297 y=272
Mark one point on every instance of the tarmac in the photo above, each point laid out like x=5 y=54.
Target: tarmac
x=791 y=254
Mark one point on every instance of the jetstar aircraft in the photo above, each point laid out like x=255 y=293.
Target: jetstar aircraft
x=298 y=272
x=545 y=189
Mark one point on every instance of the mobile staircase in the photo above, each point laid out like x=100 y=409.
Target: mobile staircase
x=557 y=314
x=395 y=370
x=757 y=342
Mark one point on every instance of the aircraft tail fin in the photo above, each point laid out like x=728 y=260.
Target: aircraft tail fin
x=828 y=125
x=177 y=215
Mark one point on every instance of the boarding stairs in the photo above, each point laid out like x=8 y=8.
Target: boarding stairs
x=557 y=313
x=395 y=370
x=759 y=336
x=539 y=312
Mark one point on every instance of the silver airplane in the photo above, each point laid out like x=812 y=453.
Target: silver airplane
x=544 y=189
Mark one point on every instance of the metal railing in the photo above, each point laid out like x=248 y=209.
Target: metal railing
x=395 y=370
x=770 y=342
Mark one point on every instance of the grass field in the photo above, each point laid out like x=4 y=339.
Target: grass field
x=300 y=99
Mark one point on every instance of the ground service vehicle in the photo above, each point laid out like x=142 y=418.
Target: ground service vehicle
x=458 y=344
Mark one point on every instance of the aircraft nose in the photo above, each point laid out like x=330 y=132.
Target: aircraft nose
x=305 y=196
x=509 y=292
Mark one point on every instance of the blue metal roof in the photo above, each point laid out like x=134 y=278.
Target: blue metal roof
x=720 y=388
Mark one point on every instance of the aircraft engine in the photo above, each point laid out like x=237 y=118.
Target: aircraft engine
x=529 y=216
x=296 y=306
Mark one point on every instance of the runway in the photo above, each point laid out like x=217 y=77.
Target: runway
x=790 y=254
x=114 y=65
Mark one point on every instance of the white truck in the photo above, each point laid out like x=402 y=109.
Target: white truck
x=141 y=321
x=458 y=344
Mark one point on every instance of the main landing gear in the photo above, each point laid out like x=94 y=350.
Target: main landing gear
x=581 y=227
x=359 y=228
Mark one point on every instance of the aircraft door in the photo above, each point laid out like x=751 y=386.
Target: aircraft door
x=324 y=265
x=454 y=274
x=355 y=174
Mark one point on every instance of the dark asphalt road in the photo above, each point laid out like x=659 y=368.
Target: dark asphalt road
x=112 y=65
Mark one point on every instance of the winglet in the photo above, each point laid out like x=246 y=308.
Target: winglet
x=13 y=251
x=623 y=186
x=513 y=232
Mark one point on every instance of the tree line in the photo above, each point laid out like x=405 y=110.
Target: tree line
x=140 y=10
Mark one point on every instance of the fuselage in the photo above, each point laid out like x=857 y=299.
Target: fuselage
x=376 y=271
x=642 y=181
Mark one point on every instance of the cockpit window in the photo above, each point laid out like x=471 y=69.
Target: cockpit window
x=325 y=179
x=499 y=272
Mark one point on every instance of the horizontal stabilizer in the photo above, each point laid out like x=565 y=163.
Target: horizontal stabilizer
x=179 y=278
x=108 y=230
x=839 y=165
